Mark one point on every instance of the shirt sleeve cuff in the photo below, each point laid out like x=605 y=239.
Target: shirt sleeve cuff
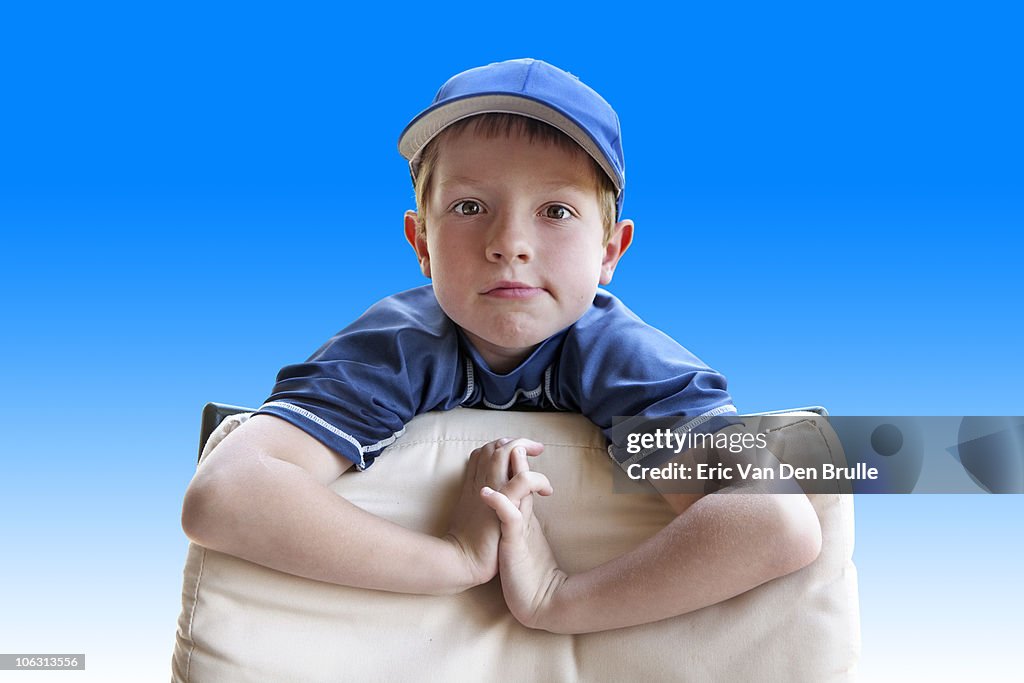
x=320 y=429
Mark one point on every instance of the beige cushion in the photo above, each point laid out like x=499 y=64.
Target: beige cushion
x=243 y=622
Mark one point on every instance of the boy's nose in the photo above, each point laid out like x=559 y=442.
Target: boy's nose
x=509 y=241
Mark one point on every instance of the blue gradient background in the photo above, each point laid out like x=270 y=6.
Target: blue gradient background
x=828 y=205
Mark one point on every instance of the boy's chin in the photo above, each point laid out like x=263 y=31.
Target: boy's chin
x=511 y=347
x=518 y=343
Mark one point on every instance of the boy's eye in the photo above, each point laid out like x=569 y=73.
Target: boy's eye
x=467 y=207
x=557 y=212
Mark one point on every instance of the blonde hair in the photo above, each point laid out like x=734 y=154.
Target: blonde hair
x=494 y=125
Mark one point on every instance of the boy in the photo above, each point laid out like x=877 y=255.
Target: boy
x=519 y=179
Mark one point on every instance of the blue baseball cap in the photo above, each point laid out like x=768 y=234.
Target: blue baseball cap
x=527 y=87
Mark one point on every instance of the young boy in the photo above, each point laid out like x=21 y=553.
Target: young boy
x=519 y=178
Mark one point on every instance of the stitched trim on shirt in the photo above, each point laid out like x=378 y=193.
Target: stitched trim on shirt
x=323 y=423
x=469 y=382
x=547 y=388
x=688 y=427
x=384 y=443
x=532 y=393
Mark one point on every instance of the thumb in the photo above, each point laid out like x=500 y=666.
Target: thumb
x=507 y=512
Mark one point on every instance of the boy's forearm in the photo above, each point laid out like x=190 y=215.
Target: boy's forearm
x=275 y=514
x=720 y=547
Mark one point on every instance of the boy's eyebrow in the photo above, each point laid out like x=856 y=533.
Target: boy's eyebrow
x=567 y=185
x=458 y=180
x=552 y=185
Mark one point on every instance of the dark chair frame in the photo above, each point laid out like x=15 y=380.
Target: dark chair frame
x=213 y=415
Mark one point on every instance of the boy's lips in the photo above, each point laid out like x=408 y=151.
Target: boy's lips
x=510 y=289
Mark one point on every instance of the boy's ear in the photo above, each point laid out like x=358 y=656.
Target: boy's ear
x=622 y=237
x=417 y=240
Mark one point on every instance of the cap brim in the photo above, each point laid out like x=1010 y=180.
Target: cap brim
x=431 y=122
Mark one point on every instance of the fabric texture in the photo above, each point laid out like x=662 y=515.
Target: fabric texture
x=244 y=622
x=404 y=357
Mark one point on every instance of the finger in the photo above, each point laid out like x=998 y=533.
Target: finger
x=495 y=456
x=532 y=447
x=480 y=462
x=497 y=466
x=474 y=472
x=508 y=513
x=519 y=463
x=525 y=483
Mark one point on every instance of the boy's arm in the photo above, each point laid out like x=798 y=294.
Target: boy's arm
x=718 y=546
x=262 y=495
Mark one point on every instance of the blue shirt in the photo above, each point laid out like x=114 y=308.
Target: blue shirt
x=404 y=357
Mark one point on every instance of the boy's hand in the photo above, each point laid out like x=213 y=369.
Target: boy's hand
x=529 y=574
x=474 y=530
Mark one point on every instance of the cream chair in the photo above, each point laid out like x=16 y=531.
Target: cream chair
x=244 y=622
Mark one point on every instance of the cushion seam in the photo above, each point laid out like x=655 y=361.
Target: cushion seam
x=457 y=439
x=192 y=616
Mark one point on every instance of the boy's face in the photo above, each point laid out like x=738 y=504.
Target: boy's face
x=514 y=241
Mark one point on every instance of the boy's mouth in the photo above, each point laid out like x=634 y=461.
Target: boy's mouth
x=510 y=289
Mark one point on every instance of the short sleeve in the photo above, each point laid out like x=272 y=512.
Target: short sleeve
x=616 y=365
x=360 y=389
